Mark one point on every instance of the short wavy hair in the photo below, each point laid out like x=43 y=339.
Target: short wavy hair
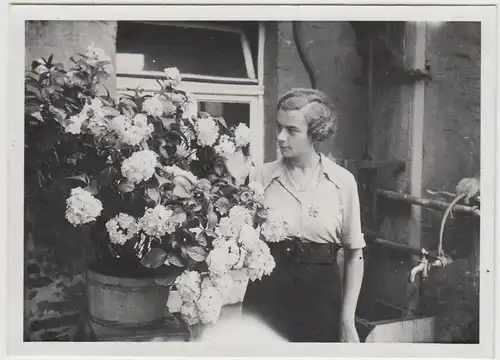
x=320 y=113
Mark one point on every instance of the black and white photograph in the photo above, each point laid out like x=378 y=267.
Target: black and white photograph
x=262 y=180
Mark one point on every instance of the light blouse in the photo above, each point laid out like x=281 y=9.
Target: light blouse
x=325 y=211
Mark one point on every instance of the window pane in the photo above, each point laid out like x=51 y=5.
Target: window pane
x=233 y=113
x=153 y=47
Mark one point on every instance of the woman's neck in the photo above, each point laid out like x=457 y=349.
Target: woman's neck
x=304 y=161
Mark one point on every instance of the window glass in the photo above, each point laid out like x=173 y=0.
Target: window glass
x=233 y=113
x=154 y=47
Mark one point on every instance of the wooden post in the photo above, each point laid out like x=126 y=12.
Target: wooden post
x=415 y=39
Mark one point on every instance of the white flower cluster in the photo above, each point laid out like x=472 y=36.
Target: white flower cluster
x=188 y=132
x=132 y=131
x=257 y=189
x=240 y=215
x=153 y=106
x=176 y=171
x=183 y=152
x=238 y=245
x=259 y=262
x=190 y=107
x=93 y=110
x=207 y=131
x=242 y=135
x=274 y=229
x=188 y=284
x=82 y=207
x=229 y=227
x=121 y=228
x=210 y=302
x=226 y=147
x=201 y=299
x=95 y=55
x=155 y=221
x=173 y=76
x=140 y=166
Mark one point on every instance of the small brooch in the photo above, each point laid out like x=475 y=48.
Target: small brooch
x=313 y=211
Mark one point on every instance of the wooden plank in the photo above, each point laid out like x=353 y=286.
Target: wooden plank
x=416 y=36
x=404 y=331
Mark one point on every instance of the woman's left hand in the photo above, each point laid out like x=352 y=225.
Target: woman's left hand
x=348 y=332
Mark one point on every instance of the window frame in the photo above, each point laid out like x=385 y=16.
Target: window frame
x=216 y=89
x=245 y=44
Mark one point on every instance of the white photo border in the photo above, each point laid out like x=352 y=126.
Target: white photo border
x=18 y=14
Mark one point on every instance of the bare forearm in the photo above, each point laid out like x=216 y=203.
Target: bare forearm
x=353 y=277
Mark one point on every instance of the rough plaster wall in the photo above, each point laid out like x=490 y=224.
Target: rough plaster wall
x=270 y=90
x=54 y=283
x=66 y=38
x=332 y=49
x=452 y=152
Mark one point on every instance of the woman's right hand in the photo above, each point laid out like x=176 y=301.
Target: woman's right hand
x=238 y=166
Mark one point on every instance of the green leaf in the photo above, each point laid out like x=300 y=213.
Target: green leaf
x=107 y=175
x=60 y=115
x=201 y=238
x=154 y=195
x=221 y=121
x=212 y=218
x=36 y=91
x=154 y=258
x=167 y=122
x=162 y=181
x=128 y=102
x=197 y=253
x=178 y=218
x=181 y=191
x=83 y=177
x=174 y=259
x=126 y=187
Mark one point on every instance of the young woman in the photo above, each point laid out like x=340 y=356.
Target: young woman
x=304 y=299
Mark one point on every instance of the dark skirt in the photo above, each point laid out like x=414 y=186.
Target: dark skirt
x=301 y=299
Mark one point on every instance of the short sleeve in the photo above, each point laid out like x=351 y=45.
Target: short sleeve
x=352 y=235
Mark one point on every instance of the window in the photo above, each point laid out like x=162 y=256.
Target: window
x=221 y=64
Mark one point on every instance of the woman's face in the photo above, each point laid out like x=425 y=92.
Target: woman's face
x=292 y=135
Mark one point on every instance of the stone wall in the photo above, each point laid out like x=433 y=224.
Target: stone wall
x=56 y=253
x=452 y=131
x=331 y=46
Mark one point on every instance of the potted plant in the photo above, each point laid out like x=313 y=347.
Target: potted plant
x=148 y=175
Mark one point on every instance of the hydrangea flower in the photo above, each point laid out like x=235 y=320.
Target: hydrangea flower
x=209 y=305
x=95 y=55
x=140 y=166
x=257 y=189
x=207 y=131
x=226 y=147
x=274 y=229
x=242 y=135
x=188 y=284
x=173 y=76
x=122 y=228
x=218 y=260
x=153 y=106
x=223 y=283
x=260 y=262
x=240 y=215
x=82 y=207
x=189 y=312
x=132 y=131
x=155 y=221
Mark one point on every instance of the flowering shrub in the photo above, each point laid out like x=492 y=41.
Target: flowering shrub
x=150 y=178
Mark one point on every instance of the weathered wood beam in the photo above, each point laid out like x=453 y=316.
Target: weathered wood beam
x=427 y=203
